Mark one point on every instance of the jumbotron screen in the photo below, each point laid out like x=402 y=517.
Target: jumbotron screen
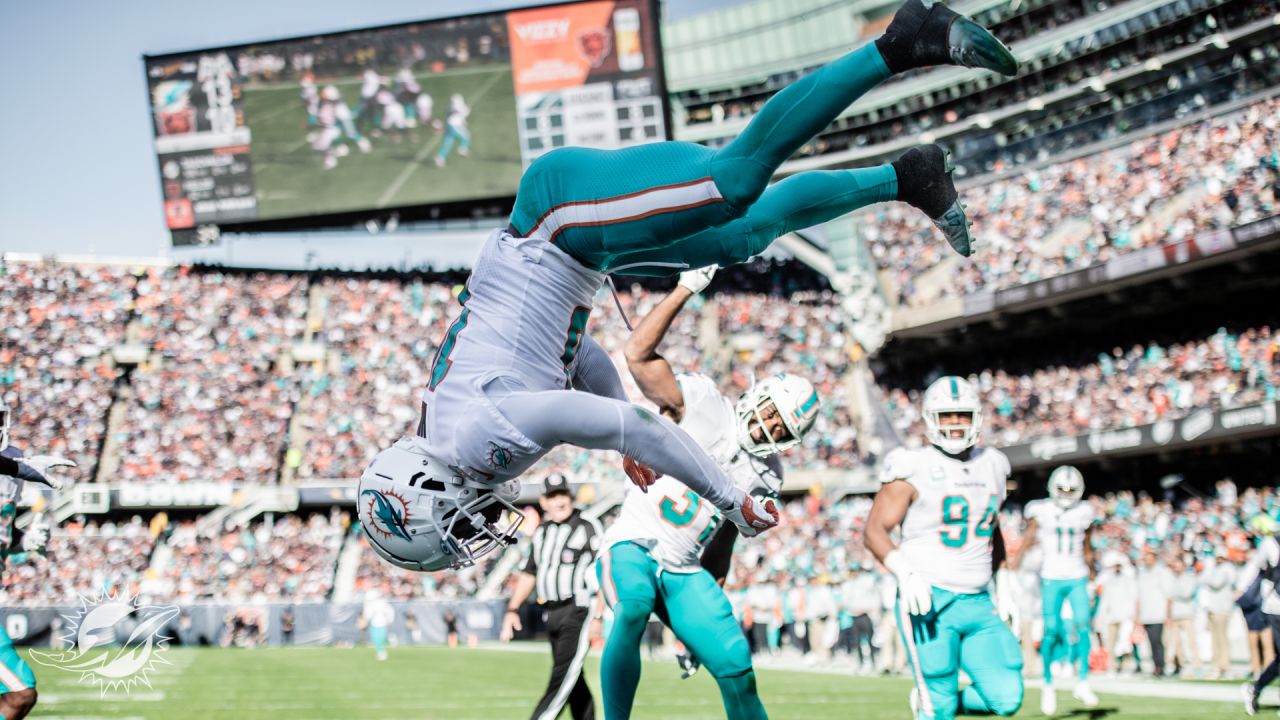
x=406 y=116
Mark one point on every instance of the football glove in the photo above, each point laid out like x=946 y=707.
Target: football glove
x=36 y=536
x=914 y=591
x=695 y=281
x=1007 y=600
x=37 y=466
x=752 y=516
x=642 y=475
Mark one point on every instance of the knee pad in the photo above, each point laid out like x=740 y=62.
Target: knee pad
x=631 y=615
x=1053 y=626
x=733 y=660
x=1008 y=699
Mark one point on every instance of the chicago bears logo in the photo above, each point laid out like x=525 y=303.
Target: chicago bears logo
x=386 y=514
x=499 y=456
x=594 y=45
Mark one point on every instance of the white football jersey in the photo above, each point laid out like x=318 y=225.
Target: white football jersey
x=1061 y=534
x=524 y=315
x=10 y=493
x=670 y=520
x=947 y=531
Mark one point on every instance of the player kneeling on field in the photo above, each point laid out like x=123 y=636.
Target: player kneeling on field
x=947 y=499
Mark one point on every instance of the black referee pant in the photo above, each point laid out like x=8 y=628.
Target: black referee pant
x=567 y=624
x=1270 y=672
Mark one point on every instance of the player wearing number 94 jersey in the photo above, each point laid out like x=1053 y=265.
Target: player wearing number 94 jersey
x=947 y=499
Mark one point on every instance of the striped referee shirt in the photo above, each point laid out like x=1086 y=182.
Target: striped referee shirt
x=562 y=558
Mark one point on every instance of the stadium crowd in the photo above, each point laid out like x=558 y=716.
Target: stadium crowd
x=83 y=560
x=1082 y=212
x=1122 y=388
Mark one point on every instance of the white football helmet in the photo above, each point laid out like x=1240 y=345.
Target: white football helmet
x=1066 y=486
x=5 y=417
x=422 y=514
x=796 y=402
x=951 y=394
x=330 y=93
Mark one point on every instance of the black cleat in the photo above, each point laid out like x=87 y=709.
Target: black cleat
x=926 y=32
x=925 y=182
x=688 y=665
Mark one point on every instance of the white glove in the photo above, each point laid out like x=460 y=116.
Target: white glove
x=913 y=590
x=752 y=517
x=36 y=536
x=1007 y=600
x=695 y=281
x=40 y=465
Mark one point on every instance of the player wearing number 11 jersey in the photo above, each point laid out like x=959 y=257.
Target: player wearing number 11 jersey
x=1062 y=526
x=947 y=499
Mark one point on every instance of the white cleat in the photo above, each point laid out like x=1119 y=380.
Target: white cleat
x=1048 y=701
x=1085 y=695
x=1250 y=699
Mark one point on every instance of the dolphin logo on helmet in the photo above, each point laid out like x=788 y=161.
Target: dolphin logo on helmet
x=423 y=514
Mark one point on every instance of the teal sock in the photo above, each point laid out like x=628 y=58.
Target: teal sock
x=620 y=663
x=790 y=119
x=741 y=700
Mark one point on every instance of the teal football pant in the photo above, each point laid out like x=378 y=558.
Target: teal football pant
x=1061 y=638
x=962 y=632
x=700 y=615
x=602 y=205
x=15 y=673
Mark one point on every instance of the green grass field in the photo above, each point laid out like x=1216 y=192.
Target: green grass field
x=435 y=682
x=289 y=177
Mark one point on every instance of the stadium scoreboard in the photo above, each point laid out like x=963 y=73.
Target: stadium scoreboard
x=412 y=118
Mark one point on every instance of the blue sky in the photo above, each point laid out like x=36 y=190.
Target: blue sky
x=77 y=168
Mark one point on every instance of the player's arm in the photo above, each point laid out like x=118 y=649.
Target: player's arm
x=594 y=372
x=27 y=471
x=554 y=417
x=1028 y=541
x=525 y=580
x=652 y=372
x=718 y=555
x=887 y=511
x=998 y=551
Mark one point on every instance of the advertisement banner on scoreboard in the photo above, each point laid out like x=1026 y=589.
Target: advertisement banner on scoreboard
x=406 y=117
x=585 y=75
x=1198 y=427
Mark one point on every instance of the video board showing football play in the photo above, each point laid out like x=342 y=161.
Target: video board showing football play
x=413 y=115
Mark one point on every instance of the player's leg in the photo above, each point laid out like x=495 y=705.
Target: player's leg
x=17 y=682
x=933 y=654
x=702 y=619
x=598 y=204
x=1081 y=639
x=1053 y=594
x=991 y=657
x=628 y=580
x=809 y=199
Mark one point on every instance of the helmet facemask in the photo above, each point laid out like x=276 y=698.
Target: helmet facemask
x=471 y=531
x=4 y=426
x=946 y=398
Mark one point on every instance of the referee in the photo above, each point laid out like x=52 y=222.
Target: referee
x=561 y=568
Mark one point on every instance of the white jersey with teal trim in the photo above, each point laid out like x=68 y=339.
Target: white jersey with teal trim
x=947 y=531
x=524 y=315
x=1061 y=532
x=670 y=520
